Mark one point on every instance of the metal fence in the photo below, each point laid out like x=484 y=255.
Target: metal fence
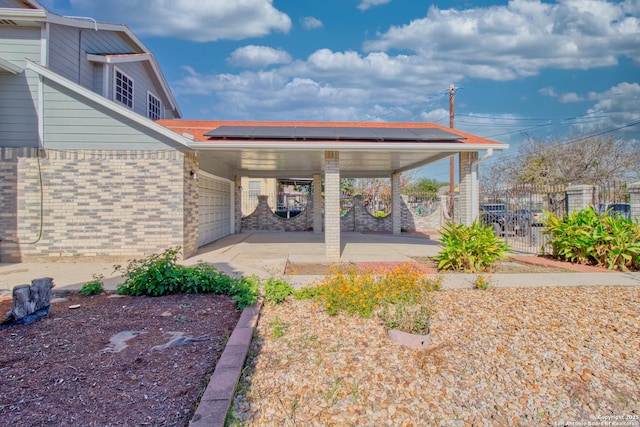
x=517 y=212
x=609 y=193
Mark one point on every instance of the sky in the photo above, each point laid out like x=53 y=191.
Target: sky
x=552 y=70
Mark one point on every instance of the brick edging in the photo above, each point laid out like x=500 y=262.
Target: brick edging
x=548 y=262
x=216 y=400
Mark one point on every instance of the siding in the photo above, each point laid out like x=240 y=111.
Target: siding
x=73 y=123
x=68 y=57
x=140 y=72
x=69 y=47
x=18 y=119
x=210 y=164
x=8 y=3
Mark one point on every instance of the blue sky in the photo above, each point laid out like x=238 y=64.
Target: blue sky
x=550 y=70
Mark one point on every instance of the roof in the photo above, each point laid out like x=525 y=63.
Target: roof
x=209 y=130
x=285 y=149
x=304 y=133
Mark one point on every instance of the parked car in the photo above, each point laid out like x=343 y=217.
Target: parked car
x=533 y=217
x=617 y=209
x=502 y=221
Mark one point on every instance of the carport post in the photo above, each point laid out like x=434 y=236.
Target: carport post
x=317 y=203
x=396 y=210
x=332 y=205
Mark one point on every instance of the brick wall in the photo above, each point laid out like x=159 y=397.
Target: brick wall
x=190 y=205
x=263 y=218
x=98 y=203
x=356 y=219
x=359 y=219
x=580 y=197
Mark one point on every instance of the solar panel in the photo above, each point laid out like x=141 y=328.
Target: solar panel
x=328 y=133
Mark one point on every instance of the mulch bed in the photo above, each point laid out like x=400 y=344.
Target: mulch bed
x=63 y=371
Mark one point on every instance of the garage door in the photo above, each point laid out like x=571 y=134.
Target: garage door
x=214 y=208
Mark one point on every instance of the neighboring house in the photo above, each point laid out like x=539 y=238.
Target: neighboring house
x=94 y=161
x=84 y=171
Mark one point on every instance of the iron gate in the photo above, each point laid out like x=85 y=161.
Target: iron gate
x=516 y=213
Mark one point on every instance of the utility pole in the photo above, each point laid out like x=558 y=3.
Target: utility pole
x=452 y=161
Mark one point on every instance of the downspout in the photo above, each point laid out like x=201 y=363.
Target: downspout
x=475 y=200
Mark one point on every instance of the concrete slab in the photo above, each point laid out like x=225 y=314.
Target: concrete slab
x=265 y=254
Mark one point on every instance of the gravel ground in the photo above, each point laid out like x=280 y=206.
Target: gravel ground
x=530 y=357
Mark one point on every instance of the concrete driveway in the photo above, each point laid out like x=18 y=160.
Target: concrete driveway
x=264 y=254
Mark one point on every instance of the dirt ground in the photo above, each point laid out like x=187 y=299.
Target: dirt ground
x=64 y=370
x=430 y=265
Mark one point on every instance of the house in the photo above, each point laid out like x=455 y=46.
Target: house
x=96 y=161
x=84 y=169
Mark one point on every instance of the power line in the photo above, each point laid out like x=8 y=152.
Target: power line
x=634 y=122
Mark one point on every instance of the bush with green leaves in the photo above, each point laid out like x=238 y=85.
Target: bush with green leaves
x=412 y=318
x=587 y=237
x=93 y=287
x=276 y=291
x=160 y=274
x=470 y=248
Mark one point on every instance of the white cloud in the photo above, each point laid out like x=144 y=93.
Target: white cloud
x=570 y=97
x=366 y=4
x=311 y=23
x=258 y=56
x=548 y=91
x=327 y=86
x=621 y=103
x=445 y=47
x=522 y=38
x=201 y=21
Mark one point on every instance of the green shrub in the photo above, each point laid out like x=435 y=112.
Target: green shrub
x=155 y=275
x=245 y=291
x=276 y=291
x=470 y=248
x=306 y=292
x=586 y=237
x=94 y=287
x=380 y=214
x=160 y=274
x=410 y=318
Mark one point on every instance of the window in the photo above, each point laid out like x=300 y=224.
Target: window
x=254 y=189
x=123 y=89
x=154 y=107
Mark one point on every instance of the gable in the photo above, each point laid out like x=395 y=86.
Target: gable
x=72 y=122
x=14 y=4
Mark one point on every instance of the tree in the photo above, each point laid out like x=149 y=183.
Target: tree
x=593 y=160
x=424 y=185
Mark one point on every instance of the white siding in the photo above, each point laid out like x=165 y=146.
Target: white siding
x=72 y=122
x=18 y=93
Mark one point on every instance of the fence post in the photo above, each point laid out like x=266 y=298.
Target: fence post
x=634 y=193
x=579 y=197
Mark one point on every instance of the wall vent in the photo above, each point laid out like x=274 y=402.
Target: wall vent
x=8 y=22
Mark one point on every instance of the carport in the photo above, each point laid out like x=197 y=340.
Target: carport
x=331 y=151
